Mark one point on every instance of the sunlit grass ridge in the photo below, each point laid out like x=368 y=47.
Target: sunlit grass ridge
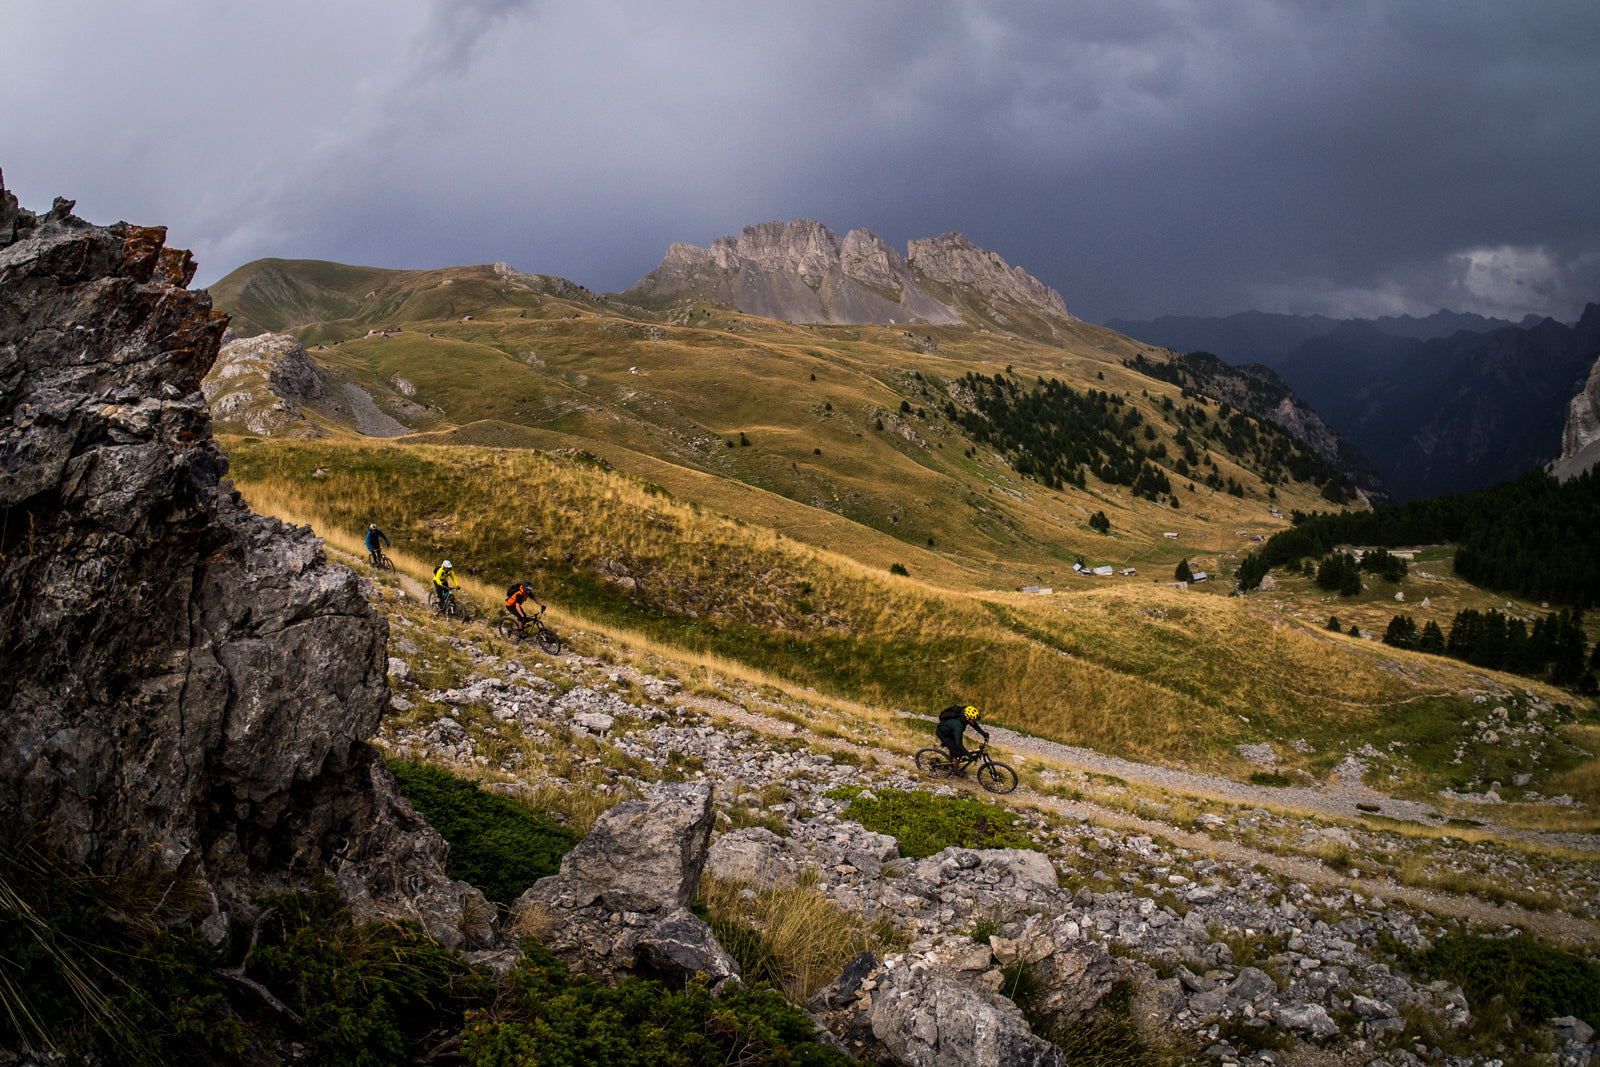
x=1137 y=670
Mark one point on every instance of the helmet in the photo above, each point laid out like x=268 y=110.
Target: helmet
x=447 y=565
x=374 y=526
x=971 y=713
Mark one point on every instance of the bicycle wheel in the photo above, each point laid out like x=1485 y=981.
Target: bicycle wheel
x=548 y=640
x=435 y=603
x=934 y=763
x=510 y=630
x=997 y=777
x=385 y=563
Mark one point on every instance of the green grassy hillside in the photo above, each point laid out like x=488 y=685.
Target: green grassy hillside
x=851 y=422
x=742 y=488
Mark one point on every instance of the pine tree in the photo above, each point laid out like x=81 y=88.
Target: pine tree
x=1432 y=639
x=1183 y=573
x=1251 y=570
x=1402 y=632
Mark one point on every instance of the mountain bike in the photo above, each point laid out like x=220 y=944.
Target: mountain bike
x=515 y=629
x=379 y=560
x=450 y=606
x=993 y=775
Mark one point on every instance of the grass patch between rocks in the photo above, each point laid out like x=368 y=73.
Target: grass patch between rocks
x=925 y=824
x=498 y=844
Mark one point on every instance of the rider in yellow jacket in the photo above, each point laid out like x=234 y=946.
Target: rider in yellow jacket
x=443 y=579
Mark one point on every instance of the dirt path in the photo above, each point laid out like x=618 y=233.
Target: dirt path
x=1338 y=799
x=1551 y=925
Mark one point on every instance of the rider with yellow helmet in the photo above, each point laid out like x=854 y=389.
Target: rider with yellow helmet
x=953 y=722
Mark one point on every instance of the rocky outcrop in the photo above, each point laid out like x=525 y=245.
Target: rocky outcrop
x=260 y=384
x=800 y=272
x=925 y=1018
x=621 y=900
x=1580 y=440
x=188 y=684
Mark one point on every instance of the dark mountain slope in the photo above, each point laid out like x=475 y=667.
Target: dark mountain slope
x=1453 y=413
x=1259 y=391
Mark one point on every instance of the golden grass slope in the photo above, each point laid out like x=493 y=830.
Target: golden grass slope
x=1130 y=667
x=821 y=408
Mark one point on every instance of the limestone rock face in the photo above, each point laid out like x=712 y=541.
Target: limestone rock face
x=620 y=902
x=927 y=1019
x=188 y=684
x=800 y=272
x=1580 y=439
x=260 y=382
x=647 y=854
x=956 y=261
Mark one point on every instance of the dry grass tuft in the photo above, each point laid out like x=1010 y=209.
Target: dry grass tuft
x=805 y=937
x=537 y=921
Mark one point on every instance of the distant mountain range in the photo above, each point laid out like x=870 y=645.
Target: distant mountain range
x=1442 y=404
x=1260 y=337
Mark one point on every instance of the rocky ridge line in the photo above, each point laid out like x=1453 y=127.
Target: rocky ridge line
x=800 y=272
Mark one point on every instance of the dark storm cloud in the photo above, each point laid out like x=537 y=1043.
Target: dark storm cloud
x=1143 y=158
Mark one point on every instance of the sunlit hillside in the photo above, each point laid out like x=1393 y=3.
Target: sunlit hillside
x=850 y=422
x=889 y=514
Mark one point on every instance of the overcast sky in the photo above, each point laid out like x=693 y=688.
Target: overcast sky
x=1143 y=158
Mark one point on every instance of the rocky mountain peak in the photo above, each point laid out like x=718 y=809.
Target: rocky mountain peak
x=867 y=258
x=189 y=685
x=799 y=271
x=953 y=260
x=802 y=247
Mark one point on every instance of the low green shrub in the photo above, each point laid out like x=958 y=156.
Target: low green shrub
x=1111 y=1038
x=1536 y=981
x=549 y=1017
x=1272 y=778
x=82 y=977
x=368 y=994
x=498 y=844
x=925 y=824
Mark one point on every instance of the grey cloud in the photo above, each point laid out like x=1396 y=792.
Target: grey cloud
x=1143 y=158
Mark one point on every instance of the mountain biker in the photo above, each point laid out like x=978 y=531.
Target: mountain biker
x=516 y=595
x=953 y=722
x=373 y=535
x=443 y=578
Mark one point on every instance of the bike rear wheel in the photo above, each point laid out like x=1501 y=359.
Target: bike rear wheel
x=934 y=763
x=548 y=640
x=997 y=777
x=510 y=630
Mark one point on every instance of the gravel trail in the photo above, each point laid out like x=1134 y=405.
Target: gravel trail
x=1554 y=925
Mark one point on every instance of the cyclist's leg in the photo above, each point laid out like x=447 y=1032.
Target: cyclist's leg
x=961 y=755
